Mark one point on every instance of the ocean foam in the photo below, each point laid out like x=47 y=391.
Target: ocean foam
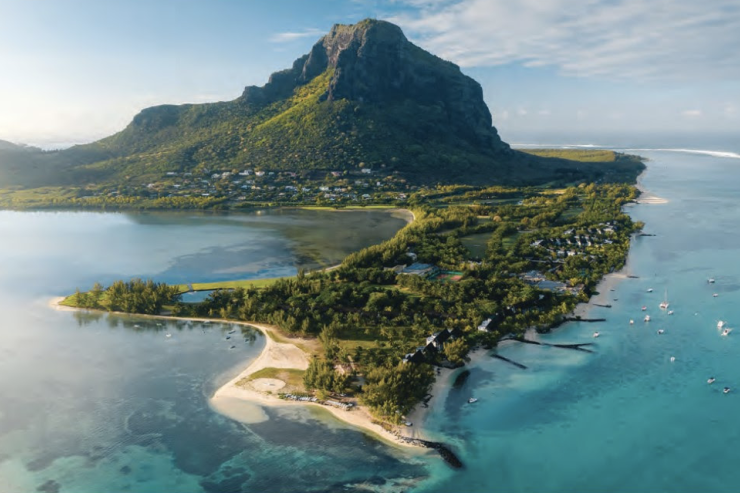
x=724 y=154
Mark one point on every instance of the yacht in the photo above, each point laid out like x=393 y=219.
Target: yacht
x=673 y=358
x=715 y=295
x=710 y=380
x=720 y=324
x=664 y=304
x=644 y=308
x=670 y=312
x=660 y=331
x=710 y=280
x=596 y=334
x=168 y=335
x=726 y=332
x=647 y=318
x=650 y=290
x=472 y=400
x=726 y=390
x=632 y=322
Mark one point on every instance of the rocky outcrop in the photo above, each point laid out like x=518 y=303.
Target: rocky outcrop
x=373 y=62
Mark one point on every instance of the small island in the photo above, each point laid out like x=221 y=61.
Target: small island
x=365 y=339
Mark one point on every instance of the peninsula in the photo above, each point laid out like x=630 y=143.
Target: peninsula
x=365 y=338
x=503 y=240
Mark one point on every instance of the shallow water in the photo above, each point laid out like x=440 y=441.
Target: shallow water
x=92 y=402
x=624 y=418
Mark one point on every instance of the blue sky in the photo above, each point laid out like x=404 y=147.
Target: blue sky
x=77 y=70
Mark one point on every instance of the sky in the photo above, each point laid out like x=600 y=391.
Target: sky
x=73 y=71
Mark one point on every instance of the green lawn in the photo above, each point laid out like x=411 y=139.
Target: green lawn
x=244 y=283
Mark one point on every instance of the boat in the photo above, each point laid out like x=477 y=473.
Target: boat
x=647 y=318
x=673 y=358
x=726 y=390
x=720 y=324
x=660 y=331
x=596 y=334
x=710 y=280
x=710 y=380
x=715 y=295
x=168 y=335
x=632 y=322
x=650 y=290
x=644 y=308
x=472 y=400
x=664 y=304
x=670 y=312
x=726 y=332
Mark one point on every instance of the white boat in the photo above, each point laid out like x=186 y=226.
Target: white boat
x=472 y=400
x=632 y=322
x=650 y=290
x=715 y=295
x=596 y=334
x=664 y=304
x=673 y=358
x=720 y=324
x=726 y=390
x=726 y=332
x=168 y=335
x=660 y=331
x=710 y=380
x=647 y=318
x=670 y=312
x=710 y=280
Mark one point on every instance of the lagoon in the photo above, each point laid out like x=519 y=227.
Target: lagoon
x=97 y=402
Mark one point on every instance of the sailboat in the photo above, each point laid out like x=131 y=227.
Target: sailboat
x=664 y=304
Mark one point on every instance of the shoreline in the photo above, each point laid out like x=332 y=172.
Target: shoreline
x=281 y=355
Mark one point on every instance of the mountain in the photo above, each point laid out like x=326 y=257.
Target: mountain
x=363 y=97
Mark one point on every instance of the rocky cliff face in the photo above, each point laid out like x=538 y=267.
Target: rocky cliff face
x=373 y=62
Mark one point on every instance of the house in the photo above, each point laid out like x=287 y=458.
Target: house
x=483 y=327
x=412 y=255
x=367 y=171
x=415 y=357
x=259 y=173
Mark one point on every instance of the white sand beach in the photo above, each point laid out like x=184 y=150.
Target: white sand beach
x=241 y=397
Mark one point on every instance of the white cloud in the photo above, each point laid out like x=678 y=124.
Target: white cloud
x=625 y=38
x=292 y=36
x=691 y=113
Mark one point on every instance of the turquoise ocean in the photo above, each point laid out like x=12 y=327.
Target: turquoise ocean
x=92 y=403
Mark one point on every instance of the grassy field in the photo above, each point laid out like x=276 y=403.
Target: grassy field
x=293 y=378
x=584 y=155
x=476 y=244
x=244 y=283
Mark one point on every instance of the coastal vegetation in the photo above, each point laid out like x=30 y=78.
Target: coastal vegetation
x=374 y=315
